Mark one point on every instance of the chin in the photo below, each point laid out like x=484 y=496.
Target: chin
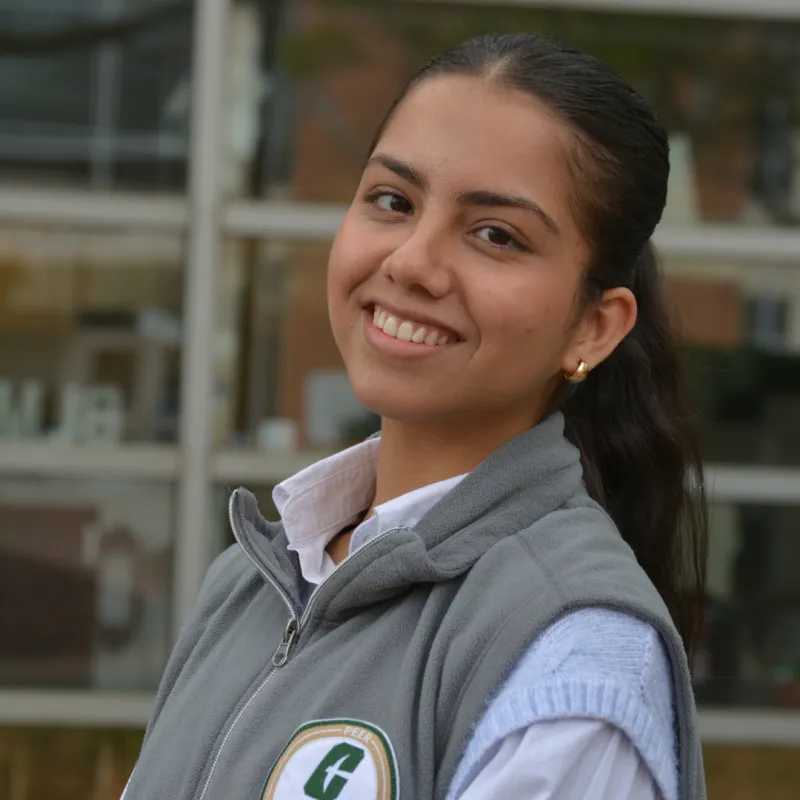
x=400 y=403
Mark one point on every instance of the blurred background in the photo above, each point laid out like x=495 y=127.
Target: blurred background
x=171 y=175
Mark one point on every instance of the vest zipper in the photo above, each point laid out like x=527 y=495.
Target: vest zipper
x=290 y=636
x=235 y=529
x=293 y=628
x=310 y=605
x=281 y=655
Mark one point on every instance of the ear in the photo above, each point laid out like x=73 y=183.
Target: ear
x=604 y=325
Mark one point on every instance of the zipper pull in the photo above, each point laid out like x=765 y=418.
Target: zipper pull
x=282 y=653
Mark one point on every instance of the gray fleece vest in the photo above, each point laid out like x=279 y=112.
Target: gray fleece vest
x=372 y=688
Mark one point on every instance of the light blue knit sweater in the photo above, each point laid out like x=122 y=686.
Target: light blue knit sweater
x=597 y=664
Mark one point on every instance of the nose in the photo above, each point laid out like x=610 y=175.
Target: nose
x=419 y=263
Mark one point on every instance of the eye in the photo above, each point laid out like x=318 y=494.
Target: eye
x=389 y=201
x=498 y=237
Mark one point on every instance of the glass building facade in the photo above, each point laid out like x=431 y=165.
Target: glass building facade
x=171 y=175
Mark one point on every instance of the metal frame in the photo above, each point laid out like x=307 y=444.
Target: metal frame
x=75 y=709
x=286 y=220
x=317 y=221
x=745 y=484
x=235 y=467
x=763 y=9
x=756 y=485
x=194 y=543
x=206 y=218
x=749 y=727
x=726 y=483
x=133 y=461
x=94 y=210
x=132 y=710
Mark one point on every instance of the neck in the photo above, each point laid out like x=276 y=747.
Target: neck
x=412 y=456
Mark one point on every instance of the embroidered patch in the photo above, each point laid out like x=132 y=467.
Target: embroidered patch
x=335 y=759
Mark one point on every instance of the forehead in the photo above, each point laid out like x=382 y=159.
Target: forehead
x=466 y=132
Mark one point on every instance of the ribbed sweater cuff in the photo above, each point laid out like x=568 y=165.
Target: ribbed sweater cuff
x=577 y=699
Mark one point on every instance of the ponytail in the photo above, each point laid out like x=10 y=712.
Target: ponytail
x=640 y=455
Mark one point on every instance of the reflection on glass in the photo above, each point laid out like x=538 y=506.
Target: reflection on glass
x=750 y=651
x=95 y=92
x=726 y=89
x=64 y=763
x=281 y=383
x=89 y=335
x=84 y=583
x=741 y=327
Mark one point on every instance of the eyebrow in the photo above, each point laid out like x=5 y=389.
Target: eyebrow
x=401 y=168
x=500 y=200
x=479 y=197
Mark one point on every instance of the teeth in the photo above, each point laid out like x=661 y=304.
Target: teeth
x=406 y=331
x=390 y=326
x=379 y=317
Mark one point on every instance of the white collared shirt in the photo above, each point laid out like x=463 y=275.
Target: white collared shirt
x=316 y=503
x=561 y=759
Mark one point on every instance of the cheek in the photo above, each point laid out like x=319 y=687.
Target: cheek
x=338 y=291
x=350 y=265
x=338 y=274
x=343 y=271
x=527 y=316
x=351 y=258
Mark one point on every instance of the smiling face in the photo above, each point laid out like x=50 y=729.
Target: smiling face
x=454 y=280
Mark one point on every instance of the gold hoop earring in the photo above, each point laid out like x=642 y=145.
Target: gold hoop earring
x=580 y=374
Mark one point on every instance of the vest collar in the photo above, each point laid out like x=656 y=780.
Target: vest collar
x=526 y=479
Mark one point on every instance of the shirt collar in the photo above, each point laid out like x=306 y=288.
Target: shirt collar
x=317 y=502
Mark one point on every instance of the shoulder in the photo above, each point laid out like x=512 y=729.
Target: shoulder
x=591 y=664
x=216 y=601
x=226 y=572
x=614 y=652
x=573 y=557
x=226 y=569
x=578 y=536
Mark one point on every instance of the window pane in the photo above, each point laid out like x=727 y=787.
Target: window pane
x=726 y=89
x=750 y=653
x=66 y=764
x=89 y=335
x=281 y=383
x=95 y=92
x=741 y=327
x=84 y=583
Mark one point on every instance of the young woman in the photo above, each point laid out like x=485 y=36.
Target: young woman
x=492 y=598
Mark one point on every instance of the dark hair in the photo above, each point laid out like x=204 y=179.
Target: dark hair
x=630 y=420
